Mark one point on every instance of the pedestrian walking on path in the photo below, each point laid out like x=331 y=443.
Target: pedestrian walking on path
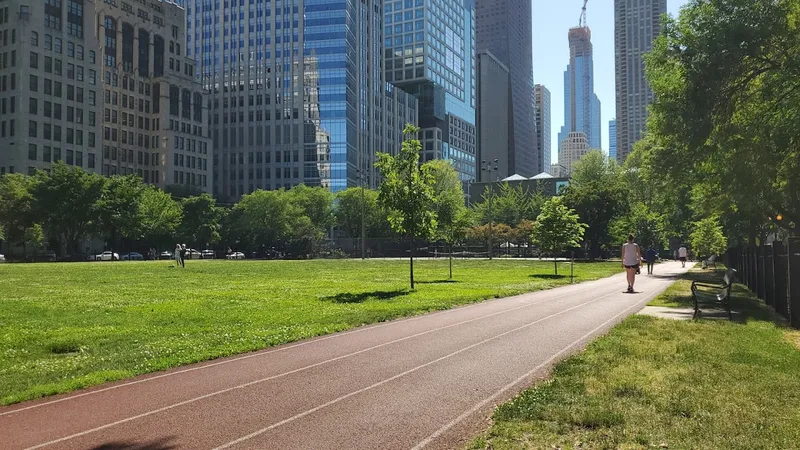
x=631 y=258
x=650 y=256
x=682 y=255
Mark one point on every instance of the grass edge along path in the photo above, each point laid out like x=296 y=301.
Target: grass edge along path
x=69 y=326
x=657 y=383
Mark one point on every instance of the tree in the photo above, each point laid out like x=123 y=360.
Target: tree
x=16 y=207
x=598 y=197
x=316 y=202
x=557 y=229
x=118 y=209
x=511 y=205
x=265 y=219
x=160 y=216
x=727 y=98
x=407 y=193
x=67 y=200
x=34 y=237
x=202 y=221
x=452 y=217
x=707 y=239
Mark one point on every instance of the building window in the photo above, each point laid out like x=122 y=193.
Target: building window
x=32 y=131
x=158 y=56
x=144 y=52
x=110 y=41
x=127 y=47
x=34 y=60
x=32 y=152
x=34 y=39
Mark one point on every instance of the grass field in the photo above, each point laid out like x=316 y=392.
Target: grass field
x=654 y=383
x=67 y=326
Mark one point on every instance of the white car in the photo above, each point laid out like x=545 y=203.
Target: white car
x=208 y=254
x=133 y=256
x=236 y=255
x=166 y=255
x=107 y=256
x=193 y=254
x=2 y=258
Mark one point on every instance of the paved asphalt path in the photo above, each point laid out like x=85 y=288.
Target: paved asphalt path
x=428 y=381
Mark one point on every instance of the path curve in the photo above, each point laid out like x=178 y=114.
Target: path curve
x=424 y=382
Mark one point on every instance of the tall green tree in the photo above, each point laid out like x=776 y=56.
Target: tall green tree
x=407 y=193
x=67 y=201
x=16 y=207
x=707 y=239
x=160 y=216
x=118 y=209
x=316 y=202
x=201 y=224
x=596 y=194
x=557 y=229
x=452 y=217
x=511 y=204
x=348 y=211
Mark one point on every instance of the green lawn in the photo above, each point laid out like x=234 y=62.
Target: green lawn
x=67 y=326
x=654 y=383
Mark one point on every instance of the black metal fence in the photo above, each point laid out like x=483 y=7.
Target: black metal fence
x=773 y=273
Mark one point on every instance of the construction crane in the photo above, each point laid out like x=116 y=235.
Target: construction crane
x=582 y=20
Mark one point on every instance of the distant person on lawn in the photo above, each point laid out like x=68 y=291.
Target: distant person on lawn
x=183 y=255
x=682 y=255
x=631 y=259
x=177 y=255
x=650 y=256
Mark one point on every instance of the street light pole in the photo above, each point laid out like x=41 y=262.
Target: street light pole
x=490 y=169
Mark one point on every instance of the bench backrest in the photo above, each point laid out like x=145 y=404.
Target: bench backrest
x=730 y=277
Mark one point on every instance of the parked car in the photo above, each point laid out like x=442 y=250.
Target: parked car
x=166 y=255
x=107 y=256
x=236 y=255
x=44 y=257
x=133 y=256
x=193 y=254
x=208 y=254
x=2 y=258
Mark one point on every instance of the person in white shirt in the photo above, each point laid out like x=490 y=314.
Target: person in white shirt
x=631 y=258
x=682 y=255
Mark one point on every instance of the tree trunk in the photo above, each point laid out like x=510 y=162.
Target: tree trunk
x=451 y=261
x=555 y=263
x=412 y=263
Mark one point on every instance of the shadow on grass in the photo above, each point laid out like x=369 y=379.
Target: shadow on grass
x=349 y=297
x=548 y=276
x=438 y=282
x=160 y=444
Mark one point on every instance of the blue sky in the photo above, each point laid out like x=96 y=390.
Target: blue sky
x=551 y=21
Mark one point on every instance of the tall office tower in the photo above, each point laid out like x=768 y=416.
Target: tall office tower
x=430 y=52
x=543 y=128
x=50 y=101
x=504 y=28
x=636 y=24
x=581 y=105
x=155 y=112
x=612 y=139
x=298 y=92
x=492 y=114
x=571 y=150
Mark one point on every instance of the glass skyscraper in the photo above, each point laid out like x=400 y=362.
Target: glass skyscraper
x=612 y=139
x=297 y=92
x=504 y=28
x=581 y=105
x=430 y=52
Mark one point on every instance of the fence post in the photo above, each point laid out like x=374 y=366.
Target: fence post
x=781 y=277
x=793 y=259
x=761 y=287
x=769 y=275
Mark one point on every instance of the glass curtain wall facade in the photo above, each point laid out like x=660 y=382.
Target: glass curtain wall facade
x=504 y=28
x=298 y=92
x=612 y=139
x=430 y=52
x=543 y=144
x=581 y=104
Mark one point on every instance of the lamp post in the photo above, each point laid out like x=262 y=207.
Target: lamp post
x=361 y=178
x=490 y=167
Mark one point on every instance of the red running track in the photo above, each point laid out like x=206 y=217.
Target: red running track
x=429 y=381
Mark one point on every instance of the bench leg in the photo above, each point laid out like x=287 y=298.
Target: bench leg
x=696 y=306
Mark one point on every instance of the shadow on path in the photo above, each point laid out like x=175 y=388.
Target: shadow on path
x=349 y=297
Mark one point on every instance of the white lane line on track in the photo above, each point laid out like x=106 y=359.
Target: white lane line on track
x=295 y=345
x=519 y=380
x=311 y=366
x=402 y=374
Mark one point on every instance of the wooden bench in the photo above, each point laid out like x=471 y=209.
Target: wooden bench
x=710 y=262
x=718 y=294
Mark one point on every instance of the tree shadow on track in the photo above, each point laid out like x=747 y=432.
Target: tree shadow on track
x=349 y=297
x=160 y=444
